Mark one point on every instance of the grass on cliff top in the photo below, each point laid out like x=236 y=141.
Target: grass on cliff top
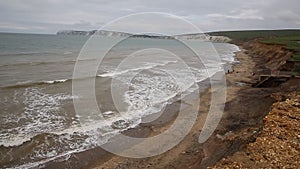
x=291 y=42
x=252 y=34
x=289 y=38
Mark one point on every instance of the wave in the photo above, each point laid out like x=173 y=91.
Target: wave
x=68 y=53
x=38 y=53
x=85 y=136
x=37 y=63
x=45 y=63
x=66 y=142
x=116 y=73
x=90 y=129
x=45 y=82
x=75 y=139
x=40 y=163
x=32 y=83
x=56 y=81
x=26 y=53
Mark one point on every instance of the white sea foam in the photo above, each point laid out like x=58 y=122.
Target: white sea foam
x=148 y=66
x=67 y=52
x=39 y=116
x=56 y=81
x=149 y=95
x=24 y=82
x=93 y=134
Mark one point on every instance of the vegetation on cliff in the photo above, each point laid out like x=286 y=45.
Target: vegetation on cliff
x=253 y=34
x=291 y=42
x=277 y=144
x=286 y=39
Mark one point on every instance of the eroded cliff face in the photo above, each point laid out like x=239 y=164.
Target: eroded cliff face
x=278 y=144
x=273 y=57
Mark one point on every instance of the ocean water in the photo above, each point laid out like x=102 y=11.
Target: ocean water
x=38 y=122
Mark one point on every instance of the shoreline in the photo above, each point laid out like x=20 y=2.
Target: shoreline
x=189 y=153
x=85 y=158
x=241 y=124
x=100 y=157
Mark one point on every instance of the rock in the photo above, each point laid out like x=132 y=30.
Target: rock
x=120 y=124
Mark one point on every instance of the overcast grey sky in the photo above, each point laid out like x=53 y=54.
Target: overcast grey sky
x=48 y=16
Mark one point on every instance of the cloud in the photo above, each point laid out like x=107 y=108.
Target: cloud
x=243 y=14
x=288 y=15
x=48 y=16
x=12 y=26
x=153 y=22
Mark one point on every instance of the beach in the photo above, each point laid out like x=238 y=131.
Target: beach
x=242 y=120
x=41 y=125
x=189 y=153
x=149 y=84
x=241 y=124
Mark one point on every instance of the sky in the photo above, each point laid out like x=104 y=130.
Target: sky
x=49 y=16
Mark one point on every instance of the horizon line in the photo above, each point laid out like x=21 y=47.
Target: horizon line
x=213 y=31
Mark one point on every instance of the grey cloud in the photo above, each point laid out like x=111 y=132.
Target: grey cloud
x=243 y=14
x=48 y=16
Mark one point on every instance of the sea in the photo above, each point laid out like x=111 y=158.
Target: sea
x=136 y=77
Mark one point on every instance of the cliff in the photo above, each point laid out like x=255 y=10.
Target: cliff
x=93 y=32
x=278 y=144
x=274 y=141
x=273 y=57
x=203 y=37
